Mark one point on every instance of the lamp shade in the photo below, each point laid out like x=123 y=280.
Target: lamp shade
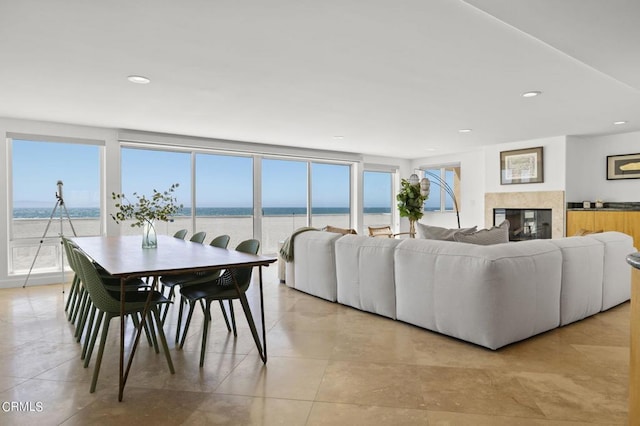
x=414 y=179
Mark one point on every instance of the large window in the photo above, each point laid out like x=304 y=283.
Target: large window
x=284 y=200
x=445 y=184
x=330 y=194
x=224 y=196
x=377 y=198
x=144 y=170
x=39 y=207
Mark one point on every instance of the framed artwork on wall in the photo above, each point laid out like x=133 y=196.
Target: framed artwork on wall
x=521 y=166
x=623 y=166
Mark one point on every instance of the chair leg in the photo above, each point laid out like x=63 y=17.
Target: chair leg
x=103 y=341
x=73 y=291
x=170 y=296
x=205 y=332
x=247 y=312
x=136 y=323
x=94 y=336
x=233 y=319
x=152 y=331
x=77 y=304
x=224 y=315
x=187 y=322
x=163 y=340
x=181 y=302
x=87 y=336
x=83 y=318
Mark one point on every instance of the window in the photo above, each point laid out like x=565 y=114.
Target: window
x=330 y=195
x=445 y=185
x=377 y=198
x=144 y=170
x=224 y=196
x=284 y=200
x=38 y=209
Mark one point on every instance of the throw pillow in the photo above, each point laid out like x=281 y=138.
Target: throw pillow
x=436 y=233
x=496 y=235
x=343 y=231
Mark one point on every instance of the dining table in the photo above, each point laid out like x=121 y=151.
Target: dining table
x=123 y=257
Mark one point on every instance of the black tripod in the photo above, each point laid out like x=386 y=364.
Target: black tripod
x=60 y=206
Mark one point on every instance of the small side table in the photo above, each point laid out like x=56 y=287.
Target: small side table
x=634 y=361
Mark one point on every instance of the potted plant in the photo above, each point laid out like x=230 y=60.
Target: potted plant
x=410 y=203
x=145 y=211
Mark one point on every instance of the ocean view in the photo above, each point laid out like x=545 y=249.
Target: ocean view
x=79 y=212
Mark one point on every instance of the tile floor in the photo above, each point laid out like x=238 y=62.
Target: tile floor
x=328 y=365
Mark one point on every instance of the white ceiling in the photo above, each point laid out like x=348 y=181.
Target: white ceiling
x=394 y=77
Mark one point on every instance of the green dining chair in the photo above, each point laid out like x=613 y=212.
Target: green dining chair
x=171 y=281
x=109 y=307
x=180 y=234
x=221 y=289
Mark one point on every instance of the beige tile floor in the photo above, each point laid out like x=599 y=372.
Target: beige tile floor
x=328 y=365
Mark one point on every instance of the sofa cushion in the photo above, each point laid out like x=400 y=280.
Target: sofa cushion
x=315 y=264
x=343 y=231
x=489 y=295
x=437 y=233
x=365 y=273
x=485 y=237
x=582 y=273
x=617 y=272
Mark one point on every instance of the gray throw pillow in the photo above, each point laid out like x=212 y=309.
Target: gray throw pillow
x=496 y=235
x=436 y=233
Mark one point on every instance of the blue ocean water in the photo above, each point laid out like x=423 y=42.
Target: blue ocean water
x=88 y=212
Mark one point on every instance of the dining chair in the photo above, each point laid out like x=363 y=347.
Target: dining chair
x=180 y=234
x=171 y=281
x=221 y=241
x=231 y=285
x=198 y=237
x=109 y=307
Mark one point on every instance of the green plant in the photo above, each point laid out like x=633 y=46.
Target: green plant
x=410 y=201
x=160 y=206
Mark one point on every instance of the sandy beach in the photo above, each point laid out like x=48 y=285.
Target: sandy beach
x=27 y=234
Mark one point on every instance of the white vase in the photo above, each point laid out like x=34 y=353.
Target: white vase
x=149 y=237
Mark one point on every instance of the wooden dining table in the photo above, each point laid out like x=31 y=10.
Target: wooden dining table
x=124 y=258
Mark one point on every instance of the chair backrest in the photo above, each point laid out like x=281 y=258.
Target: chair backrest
x=221 y=241
x=198 y=237
x=94 y=284
x=180 y=234
x=241 y=275
x=380 y=231
x=68 y=250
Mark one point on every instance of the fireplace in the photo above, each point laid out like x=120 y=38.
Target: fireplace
x=525 y=224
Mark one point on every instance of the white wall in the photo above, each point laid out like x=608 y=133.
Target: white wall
x=587 y=171
x=472 y=183
x=554 y=154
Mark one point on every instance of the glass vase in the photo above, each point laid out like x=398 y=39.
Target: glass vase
x=149 y=237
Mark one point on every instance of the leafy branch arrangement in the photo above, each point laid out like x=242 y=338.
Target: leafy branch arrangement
x=160 y=206
x=410 y=201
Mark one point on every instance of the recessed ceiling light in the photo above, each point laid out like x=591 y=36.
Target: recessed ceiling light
x=338 y=137
x=138 y=79
x=531 y=94
x=618 y=123
x=464 y=131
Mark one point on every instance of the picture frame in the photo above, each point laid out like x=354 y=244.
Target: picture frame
x=522 y=166
x=625 y=166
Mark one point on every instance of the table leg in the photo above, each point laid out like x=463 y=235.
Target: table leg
x=121 y=376
x=264 y=330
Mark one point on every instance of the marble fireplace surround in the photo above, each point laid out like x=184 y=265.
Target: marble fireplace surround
x=553 y=200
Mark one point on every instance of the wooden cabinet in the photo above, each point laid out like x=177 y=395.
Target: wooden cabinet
x=603 y=220
x=580 y=219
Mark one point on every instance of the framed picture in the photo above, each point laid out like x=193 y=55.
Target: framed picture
x=623 y=166
x=521 y=166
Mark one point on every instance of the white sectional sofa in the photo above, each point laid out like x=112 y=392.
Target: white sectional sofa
x=488 y=295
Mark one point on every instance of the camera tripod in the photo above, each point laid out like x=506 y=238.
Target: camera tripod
x=61 y=207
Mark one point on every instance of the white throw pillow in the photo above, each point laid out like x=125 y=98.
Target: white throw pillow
x=485 y=237
x=436 y=233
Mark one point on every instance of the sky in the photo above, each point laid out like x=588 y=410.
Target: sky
x=222 y=180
